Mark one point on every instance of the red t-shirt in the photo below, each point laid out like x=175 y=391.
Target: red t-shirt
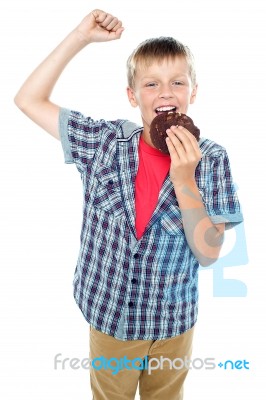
x=153 y=168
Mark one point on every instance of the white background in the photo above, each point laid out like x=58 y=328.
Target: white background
x=41 y=197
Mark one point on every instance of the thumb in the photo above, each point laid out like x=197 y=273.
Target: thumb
x=117 y=34
x=120 y=31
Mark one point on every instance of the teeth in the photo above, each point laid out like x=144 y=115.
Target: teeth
x=166 y=108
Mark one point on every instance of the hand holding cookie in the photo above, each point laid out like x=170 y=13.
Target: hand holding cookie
x=176 y=134
x=164 y=121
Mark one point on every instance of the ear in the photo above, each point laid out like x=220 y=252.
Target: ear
x=193 y=94
x=131 y=97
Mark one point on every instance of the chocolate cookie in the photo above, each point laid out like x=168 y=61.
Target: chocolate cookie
x=164 y=121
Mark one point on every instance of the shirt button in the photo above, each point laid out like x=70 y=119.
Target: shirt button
x=136 y=255
x=110 y=181
x=133 y=280
x=130 y=304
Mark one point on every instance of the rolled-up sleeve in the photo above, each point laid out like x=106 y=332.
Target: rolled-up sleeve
x=80 y=137
x=219 y=192
x=63 y=131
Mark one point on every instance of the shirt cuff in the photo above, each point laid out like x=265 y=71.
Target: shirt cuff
x=230 y=220
x=63 y=131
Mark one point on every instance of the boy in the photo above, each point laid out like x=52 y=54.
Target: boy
x=149 y=218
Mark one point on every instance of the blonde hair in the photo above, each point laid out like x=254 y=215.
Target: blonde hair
x=158 y=49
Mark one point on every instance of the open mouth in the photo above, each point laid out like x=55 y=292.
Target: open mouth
x=160 y=110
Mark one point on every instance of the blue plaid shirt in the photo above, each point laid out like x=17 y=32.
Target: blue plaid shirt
x=128 y=288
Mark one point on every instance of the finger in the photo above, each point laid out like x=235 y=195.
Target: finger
x=189 y=141
x=106 y=21
x=99 y=15
x=114 y=25
x=110 y=23
x=117 y=26
x=180 y=133
x=184 y=133
x=115 y=35
x=172 y=151
x=189 y=151
x=178 y=145
x=119 y=32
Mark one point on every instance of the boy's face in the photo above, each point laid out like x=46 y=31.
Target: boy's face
x=161 y=87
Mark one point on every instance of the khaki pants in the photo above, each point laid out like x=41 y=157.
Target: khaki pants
x=156 y=384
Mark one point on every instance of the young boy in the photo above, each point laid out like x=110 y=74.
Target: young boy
x=149 y=218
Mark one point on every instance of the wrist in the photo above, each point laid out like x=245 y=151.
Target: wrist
x=187 y=194
x=83 y=38
x=185 y=185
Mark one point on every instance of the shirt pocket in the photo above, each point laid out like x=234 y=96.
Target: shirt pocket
x=107 y=192
x=171 y=222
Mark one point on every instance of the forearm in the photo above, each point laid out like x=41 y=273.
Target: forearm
x=39 y=85
x=33 y=97
x=203 y=237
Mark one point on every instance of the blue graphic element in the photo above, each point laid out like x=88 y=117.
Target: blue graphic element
x=238 y=364
x=236 y=257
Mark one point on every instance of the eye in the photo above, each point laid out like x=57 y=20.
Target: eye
x=177 y=83
x=151 y=84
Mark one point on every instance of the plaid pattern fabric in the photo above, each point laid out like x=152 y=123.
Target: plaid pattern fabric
x=130 y=289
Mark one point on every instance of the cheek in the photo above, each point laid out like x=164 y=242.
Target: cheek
x=186 y=97
x=145 y=101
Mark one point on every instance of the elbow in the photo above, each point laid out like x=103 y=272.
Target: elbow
x=20 y=102
x=17 y=100
x=24 y=101
x=211 y=258
x=207 y=262
x=28 y=104
x=211 y=249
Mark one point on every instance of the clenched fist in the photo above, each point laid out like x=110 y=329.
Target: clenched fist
x=99 y=26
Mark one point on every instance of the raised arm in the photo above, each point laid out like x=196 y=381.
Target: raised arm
x=33 y=98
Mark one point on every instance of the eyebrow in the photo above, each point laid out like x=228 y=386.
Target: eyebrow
x=151 y=77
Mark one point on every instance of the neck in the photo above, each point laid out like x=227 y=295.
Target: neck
x=147 y=139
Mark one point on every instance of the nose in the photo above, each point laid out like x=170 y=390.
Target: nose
x=165 y=92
